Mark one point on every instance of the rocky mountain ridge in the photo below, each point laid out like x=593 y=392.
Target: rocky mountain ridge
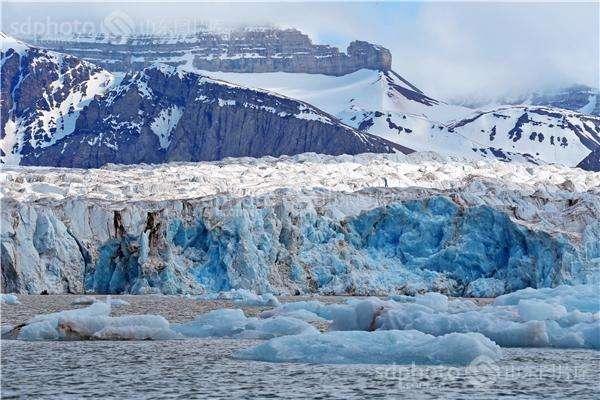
x=241 y=50
x=156 y=115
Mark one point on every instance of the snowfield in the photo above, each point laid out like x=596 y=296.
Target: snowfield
x=367 y=224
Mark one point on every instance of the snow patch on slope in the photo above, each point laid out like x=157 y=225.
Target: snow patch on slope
x=164 y=124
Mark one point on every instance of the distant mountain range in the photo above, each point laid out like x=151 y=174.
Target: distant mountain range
x=581 y=98
x=176 y=104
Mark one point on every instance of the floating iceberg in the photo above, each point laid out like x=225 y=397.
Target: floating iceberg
x=84 y=301
x=87 y=300
x=579 y=297
x=127 y=327
x=95 y=323
x=275 y=327
x=219 y=323
x=381 y=347
x=118 y=302
x=303 y=315
x=561 y=317
x=538 y=310
x=305 y=310
x=9 y=299
x=233 y=323
x=244 y=297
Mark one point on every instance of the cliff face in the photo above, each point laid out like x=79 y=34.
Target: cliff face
x=263 y=50
x=161 y=115
x=362 y=225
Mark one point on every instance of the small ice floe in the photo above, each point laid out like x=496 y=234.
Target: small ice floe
x=233 y=323
x=9 y=299
x=88 y=300
x=312 y=310
x=563 y=317
x=244 y=297
x=84 y=301
x=580 y=297
x=380 y=347
x=118 y=302
x=92 y=323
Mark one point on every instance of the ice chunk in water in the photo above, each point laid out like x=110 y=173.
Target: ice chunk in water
x=536 y=310
x=222 y=322
x=357 y=315
x=435 y=301
x=233 y=323
x=9 y=299
x=127 y=327
x=380 y=347
x=95 y=323
x=274 y=327
x=84 y=300
x=529 y=323
x=313 y=306
x=244 y=297
x=584 y=298
x=532 y=318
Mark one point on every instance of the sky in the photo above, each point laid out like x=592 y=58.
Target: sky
x=451 y=50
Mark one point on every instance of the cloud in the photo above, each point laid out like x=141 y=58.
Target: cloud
x=449 y=50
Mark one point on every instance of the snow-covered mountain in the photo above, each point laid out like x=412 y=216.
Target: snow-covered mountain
x=42 y=94
x=62 y=111
x=580 y=98
x=358 y=88
x=387 y=105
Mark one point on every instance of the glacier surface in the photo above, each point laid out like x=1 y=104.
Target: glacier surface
x=358 y=225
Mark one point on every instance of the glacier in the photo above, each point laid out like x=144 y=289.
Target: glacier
x=370 y=224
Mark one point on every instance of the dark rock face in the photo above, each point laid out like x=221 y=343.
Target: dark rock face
x=161 y=115
x=591 y=162
x=262 y=50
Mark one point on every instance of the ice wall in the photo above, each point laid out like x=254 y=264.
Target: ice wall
x=376 y=240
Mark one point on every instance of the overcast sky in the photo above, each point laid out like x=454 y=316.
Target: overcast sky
x=448 y=49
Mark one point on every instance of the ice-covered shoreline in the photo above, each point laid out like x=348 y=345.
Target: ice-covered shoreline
x=358 y=225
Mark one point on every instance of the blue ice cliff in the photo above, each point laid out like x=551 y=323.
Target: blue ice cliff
x=370 y=224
